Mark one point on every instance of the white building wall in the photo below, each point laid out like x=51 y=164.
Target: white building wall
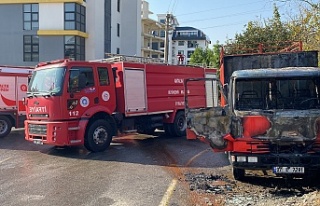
x=95 y=30
x=51 y=16
x=130 y=28
x=115 y=19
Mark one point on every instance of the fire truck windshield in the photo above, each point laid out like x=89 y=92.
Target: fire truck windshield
x=47 y=81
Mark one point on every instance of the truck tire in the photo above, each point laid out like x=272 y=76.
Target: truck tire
x=5 y=126
x=179 y=125
x=238 y=174
x=98 y=136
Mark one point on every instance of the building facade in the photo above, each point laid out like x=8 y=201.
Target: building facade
x=34 y=31
x=185 y=40
x=152 y=43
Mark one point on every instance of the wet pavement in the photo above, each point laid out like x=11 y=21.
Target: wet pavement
x=134 y=170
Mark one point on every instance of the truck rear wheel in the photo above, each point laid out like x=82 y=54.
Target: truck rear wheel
x=5 y=126
x=99 y=136
x=179 y=125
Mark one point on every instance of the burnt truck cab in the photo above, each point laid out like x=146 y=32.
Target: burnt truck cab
x=271 y=121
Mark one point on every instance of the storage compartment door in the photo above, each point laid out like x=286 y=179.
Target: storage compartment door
x=135 y=90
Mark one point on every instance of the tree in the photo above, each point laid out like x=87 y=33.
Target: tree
x=306 y=27
x=206 y=57
x=308 y=2
x=271 y=33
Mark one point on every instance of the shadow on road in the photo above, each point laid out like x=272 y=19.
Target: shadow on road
x=141 y=149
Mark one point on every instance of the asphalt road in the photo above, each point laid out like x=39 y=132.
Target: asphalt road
x=135 y=170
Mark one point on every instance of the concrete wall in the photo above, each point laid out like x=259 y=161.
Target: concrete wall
x=51 y=48
x=131 y=27
x=95 y=29
x=11 y=35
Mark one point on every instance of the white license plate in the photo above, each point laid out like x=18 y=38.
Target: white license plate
x=288 y=170
x=36 y=141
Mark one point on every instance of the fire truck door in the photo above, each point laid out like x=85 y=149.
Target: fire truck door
x=106 y=91
x=82 y=88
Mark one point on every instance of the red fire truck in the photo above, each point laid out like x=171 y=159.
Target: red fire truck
x=13 y=87
x=271 y=118
x=87 y=103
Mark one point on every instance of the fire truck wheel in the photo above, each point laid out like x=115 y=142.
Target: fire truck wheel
x=238 y=174
x=99 y=136
x=179 y=125
x=5 y=126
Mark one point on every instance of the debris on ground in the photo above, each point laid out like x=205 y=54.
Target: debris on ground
x=254 y=190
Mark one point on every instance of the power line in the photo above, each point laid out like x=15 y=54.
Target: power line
x=236 y=14
x=174 y=5
x=217 y=8
x=224 y=25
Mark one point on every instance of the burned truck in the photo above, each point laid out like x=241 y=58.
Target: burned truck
x=269 y=118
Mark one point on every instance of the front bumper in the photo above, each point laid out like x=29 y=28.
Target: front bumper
x=310 y=161
x=53 y=133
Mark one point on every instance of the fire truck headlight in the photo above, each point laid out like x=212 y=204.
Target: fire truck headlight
x=241 y=159
x=252 y=159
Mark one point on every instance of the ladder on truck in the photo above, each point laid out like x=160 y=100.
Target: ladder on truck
x=16 y=69
x=126 y=58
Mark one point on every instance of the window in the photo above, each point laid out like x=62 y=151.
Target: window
x=162 y=44
x=118 y=50
x=80 y=77
x=74 y=47
x=180 y=52
x=74 y=17
x=30 y=48
x=190 y=53
x=192 y=44
x=118 y=29
x=103 y=76
x=118 y=5
x=162 y=33
x=180 y=43
x=30 y=16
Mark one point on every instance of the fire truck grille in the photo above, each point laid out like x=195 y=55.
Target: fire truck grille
x=37 y=129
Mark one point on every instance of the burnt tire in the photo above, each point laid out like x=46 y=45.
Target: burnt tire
x=179 y=125
x=5 y=126
x=238 y=174
x=98 y=136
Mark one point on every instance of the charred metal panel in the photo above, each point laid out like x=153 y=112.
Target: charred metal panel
x=291 y=126
x=212 y=124
x=258 y=61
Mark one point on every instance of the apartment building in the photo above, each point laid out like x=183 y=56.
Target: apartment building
x=42 y=30
x=152 y=34
x=185 y=40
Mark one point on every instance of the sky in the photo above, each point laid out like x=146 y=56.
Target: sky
x=219 y=19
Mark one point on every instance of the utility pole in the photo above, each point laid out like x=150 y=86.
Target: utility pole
x=166 y=36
